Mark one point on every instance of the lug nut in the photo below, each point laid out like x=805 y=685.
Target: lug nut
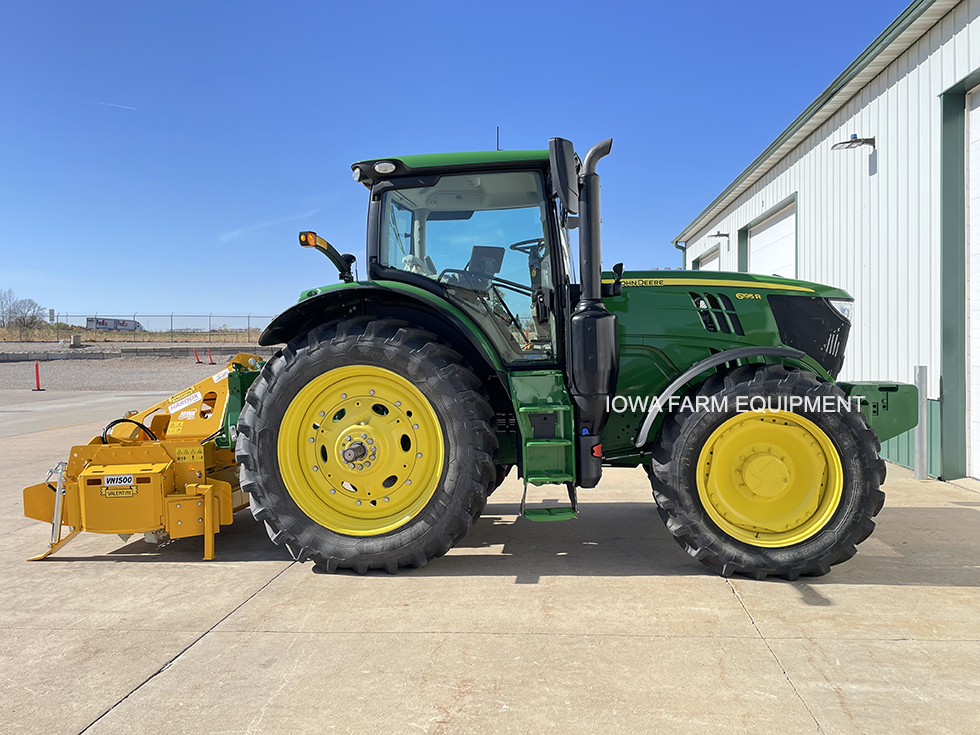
x=322 y=413
x=370 y=441
x=386 y=498
x=363 y=436
x=371 y=392
x=415 y=426
x=343 y=395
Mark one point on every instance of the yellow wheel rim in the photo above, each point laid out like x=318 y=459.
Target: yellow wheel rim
x=770 y=479
x=360 y=450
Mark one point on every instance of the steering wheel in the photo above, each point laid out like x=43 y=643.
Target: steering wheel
x=528 y=246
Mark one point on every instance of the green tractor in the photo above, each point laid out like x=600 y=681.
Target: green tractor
x=399 y=403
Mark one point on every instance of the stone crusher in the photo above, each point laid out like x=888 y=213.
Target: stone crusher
x=167 y=472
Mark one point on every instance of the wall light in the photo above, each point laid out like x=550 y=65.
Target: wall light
x=853 y=142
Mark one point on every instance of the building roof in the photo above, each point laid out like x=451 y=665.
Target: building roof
x=914 y=21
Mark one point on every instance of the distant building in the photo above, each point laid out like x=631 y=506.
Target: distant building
x=894 y=219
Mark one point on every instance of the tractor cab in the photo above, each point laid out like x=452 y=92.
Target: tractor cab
x=486 y=241
x=485 y=231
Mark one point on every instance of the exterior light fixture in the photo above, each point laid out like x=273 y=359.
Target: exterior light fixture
x=853 y=142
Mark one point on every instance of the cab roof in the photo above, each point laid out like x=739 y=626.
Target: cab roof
x=430 y=162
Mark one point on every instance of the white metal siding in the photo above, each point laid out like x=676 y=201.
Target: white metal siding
x=871 y=226
x=973 y=284
x=772 y=245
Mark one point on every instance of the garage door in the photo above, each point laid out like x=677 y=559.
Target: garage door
x=711 y=261
x=772 y=245
x=973 y=287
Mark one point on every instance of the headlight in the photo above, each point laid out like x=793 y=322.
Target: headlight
x=845 y=307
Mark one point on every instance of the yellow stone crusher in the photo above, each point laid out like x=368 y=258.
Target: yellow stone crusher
x=166 y=472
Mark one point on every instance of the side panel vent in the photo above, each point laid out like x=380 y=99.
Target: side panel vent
x=717 y=313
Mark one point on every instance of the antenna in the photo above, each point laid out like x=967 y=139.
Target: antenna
x=498 y=137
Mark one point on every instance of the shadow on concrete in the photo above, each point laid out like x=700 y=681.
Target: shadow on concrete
x=243 y=540
x=911 y=547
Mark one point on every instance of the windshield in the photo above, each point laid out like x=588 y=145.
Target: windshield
x=485 y=238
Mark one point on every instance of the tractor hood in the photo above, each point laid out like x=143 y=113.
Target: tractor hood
x=751 y=282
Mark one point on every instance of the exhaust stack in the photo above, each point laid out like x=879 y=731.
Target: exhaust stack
x=590 y=230
x=593 y=335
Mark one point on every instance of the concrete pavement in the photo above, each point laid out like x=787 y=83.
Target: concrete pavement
x=599 y=625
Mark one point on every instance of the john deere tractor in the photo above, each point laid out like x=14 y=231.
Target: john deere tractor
x=477 y=346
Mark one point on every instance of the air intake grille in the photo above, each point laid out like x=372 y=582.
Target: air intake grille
x=717 y=313
x=813 y=325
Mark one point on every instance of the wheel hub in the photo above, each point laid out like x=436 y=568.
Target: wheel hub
x=765 y=475
x=354 y=452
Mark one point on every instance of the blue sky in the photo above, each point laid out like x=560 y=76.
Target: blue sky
x=161 y=157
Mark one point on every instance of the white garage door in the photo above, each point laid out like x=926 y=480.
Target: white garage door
x=772 y=245
x=711 y=261
x=973 y=287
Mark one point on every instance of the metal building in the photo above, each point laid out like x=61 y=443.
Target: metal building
x=892 y=216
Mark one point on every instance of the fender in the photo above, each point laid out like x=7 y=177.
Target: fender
x=739 y=353
x=392 y=299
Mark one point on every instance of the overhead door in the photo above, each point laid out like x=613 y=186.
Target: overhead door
x=772 y=245
x=711 y=261
x=973 y=286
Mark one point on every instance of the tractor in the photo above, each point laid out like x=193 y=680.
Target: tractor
x=477 y=346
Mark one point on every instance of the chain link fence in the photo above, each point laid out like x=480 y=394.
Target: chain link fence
x=149 y=328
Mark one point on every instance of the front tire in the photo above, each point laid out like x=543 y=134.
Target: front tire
x=367 y=444
x=783 y=492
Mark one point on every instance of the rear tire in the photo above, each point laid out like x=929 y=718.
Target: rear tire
x=783 y=493
x=425 y=487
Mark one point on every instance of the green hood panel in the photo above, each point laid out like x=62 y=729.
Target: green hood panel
x=741 y=282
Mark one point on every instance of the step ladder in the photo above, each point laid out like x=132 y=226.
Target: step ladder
x=552 y=513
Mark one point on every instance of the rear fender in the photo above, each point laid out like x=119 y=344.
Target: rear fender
x=390 y=299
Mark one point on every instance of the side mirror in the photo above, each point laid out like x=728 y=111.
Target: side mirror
x=342 y=263
x=564 y=172
x=616 y=287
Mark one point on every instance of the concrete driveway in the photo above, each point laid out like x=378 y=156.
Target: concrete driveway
x=599 y=625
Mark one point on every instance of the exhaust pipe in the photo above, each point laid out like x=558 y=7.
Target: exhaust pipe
x=594 y=335
x=590 y=236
